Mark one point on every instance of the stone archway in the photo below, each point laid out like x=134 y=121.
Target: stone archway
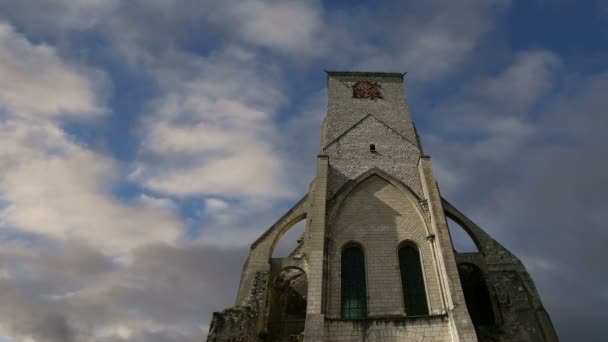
x=287 y=305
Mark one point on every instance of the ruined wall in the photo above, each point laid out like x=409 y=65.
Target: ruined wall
x=242 y=323
x=286 y=305
x=517 y=306
x=235 y=324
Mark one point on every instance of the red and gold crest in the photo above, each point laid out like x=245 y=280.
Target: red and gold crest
x=367 y=89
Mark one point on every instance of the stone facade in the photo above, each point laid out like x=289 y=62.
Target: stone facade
x=379 y=216
x=375 y=188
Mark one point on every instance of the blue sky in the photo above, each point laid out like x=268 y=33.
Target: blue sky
x=145 y=144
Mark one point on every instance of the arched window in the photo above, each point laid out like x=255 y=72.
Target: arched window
x=354 y=293
x=414 y=295
x=476 y=295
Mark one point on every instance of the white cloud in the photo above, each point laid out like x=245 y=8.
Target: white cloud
x=495 y=109
x=35 y=81
x=428 y=39
x=529 y=77
x=488 y=120
x=58 y=16
x=49 y=183
x=120 y=331
x=57 y=188
x=215 y=204
x=212 y=132
x=291 y=26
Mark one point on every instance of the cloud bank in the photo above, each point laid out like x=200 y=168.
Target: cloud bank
x=220 y=106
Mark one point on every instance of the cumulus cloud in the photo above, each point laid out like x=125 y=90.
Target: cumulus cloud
x=224 y=142
x=215 y=113
x=49 y=183
x=54 y=187
x=58 y=15
x=442 y=43
x=292 y=26
x=489 y=120
x=428 y=39
x=530 y=77
x=37 y=82
x=212 y=134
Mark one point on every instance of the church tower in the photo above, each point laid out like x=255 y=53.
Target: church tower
x=376 y=261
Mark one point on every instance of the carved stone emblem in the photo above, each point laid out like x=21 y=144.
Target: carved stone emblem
x=367 y=89
x=425 y=206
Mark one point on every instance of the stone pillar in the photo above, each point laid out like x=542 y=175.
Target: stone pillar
x=315 y=245
x=460 y=321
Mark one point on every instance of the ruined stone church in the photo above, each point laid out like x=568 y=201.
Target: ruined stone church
x=376 y=261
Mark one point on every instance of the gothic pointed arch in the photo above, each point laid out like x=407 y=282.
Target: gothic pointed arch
x=291 y=240
x=472 y=233
x=343 y=193
x=482 y=240
x=462 y=242
x=264 y=246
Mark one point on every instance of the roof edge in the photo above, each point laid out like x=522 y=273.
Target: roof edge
x=365 y=73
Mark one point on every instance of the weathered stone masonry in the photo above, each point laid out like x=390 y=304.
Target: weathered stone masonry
x=375 y=189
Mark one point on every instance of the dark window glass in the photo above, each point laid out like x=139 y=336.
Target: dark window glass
x=476 y=295
x=414 y=295
x=354 y=294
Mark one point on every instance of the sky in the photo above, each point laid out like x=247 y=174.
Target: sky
x=145 y=144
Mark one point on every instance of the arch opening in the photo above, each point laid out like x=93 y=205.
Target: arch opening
x=461 y=239
x=290 y=240
x=353 y=282
x=412 y=281
x=288 y=301
x=476 y=295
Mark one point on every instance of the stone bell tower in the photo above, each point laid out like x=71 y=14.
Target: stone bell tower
x=376 y=261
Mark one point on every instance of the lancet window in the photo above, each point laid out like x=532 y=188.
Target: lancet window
x=354 y=292
x=412 y=282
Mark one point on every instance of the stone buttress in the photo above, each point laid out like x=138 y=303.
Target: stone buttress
x=375 y=190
